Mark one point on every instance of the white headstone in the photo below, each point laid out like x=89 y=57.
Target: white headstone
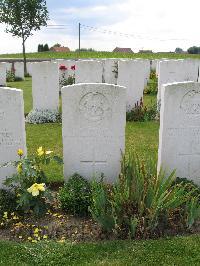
x=110 y=69
x=45 y=86
x=19 y=69
x=154 y=64
x=2 y=74
x=89 y=71
x=12 y=129
x=131 y=75
x=8 y=66
x=147 y=71
x=179 y=139
x=29 y=68
x=94 y=119
x=176 y=71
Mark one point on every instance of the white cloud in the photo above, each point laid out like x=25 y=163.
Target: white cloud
x=157 y=25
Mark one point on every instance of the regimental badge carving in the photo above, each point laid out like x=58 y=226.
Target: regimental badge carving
x=190 y=103
x=94 y=106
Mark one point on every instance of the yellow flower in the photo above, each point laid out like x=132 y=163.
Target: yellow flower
x=48 y=152
x=29 y=238
x=36 y=230
x=40 y=151
x=45 y=236
x=19 y=168
x=20 y=152
x=36 y=188
x=5 y=215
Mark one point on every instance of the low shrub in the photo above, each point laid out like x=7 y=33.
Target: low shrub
x=8 y=201
x=43 y=116
x=152 y=86
x=67 y=81
x=142 y=113
x=29 y=183
x=10 y=76
x=75 y=196
x=143 y=203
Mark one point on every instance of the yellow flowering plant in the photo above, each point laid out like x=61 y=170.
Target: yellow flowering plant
x=30 y=181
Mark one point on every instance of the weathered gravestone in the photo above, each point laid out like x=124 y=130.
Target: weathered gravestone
x=179 y=139
x=8 y=66
x=94 y=118
x=110 y=70
x=89 y=71
x=2 y=74
x=45 y=86
x=176 y=71
x=12 y=129
x=131 y=75
x=147 y=71
x=29 y=68
x=19 y=69
x=154 y=64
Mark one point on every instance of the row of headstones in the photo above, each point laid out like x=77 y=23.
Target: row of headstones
x=93 y=124
x=93 y=129
x=132 y=74
x=17 y=67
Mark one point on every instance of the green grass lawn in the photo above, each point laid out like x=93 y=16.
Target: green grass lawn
x=26 y=86
x=75 y=55
x=173 y=251
x=141 y=137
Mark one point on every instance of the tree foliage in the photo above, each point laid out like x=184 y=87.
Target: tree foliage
x=179 y=50
x=22 y=17
x=194 y=50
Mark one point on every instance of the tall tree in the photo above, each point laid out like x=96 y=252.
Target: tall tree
x=22 y=17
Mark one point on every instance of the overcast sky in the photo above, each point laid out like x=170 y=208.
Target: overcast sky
x=159 y=25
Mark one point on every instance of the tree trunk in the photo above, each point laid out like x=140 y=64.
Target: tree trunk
x=24 y=56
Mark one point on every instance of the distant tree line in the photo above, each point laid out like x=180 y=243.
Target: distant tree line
x=191 y=50
x=43 y=48
x=194 y=50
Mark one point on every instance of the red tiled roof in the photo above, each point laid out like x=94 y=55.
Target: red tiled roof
x=60 y=49
x=122 y=50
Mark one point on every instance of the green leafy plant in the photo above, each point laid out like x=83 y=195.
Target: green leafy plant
x=152 y=86
x=142 y=113
x=29 y=183
x=143 y=203
x=101 y=208
x=75 y=196
x=7 y=201
x=10 y=76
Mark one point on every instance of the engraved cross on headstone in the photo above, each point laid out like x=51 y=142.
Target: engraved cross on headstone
x=94 y=162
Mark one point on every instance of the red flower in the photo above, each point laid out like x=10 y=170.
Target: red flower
x=63 y=67
x=73 y=67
